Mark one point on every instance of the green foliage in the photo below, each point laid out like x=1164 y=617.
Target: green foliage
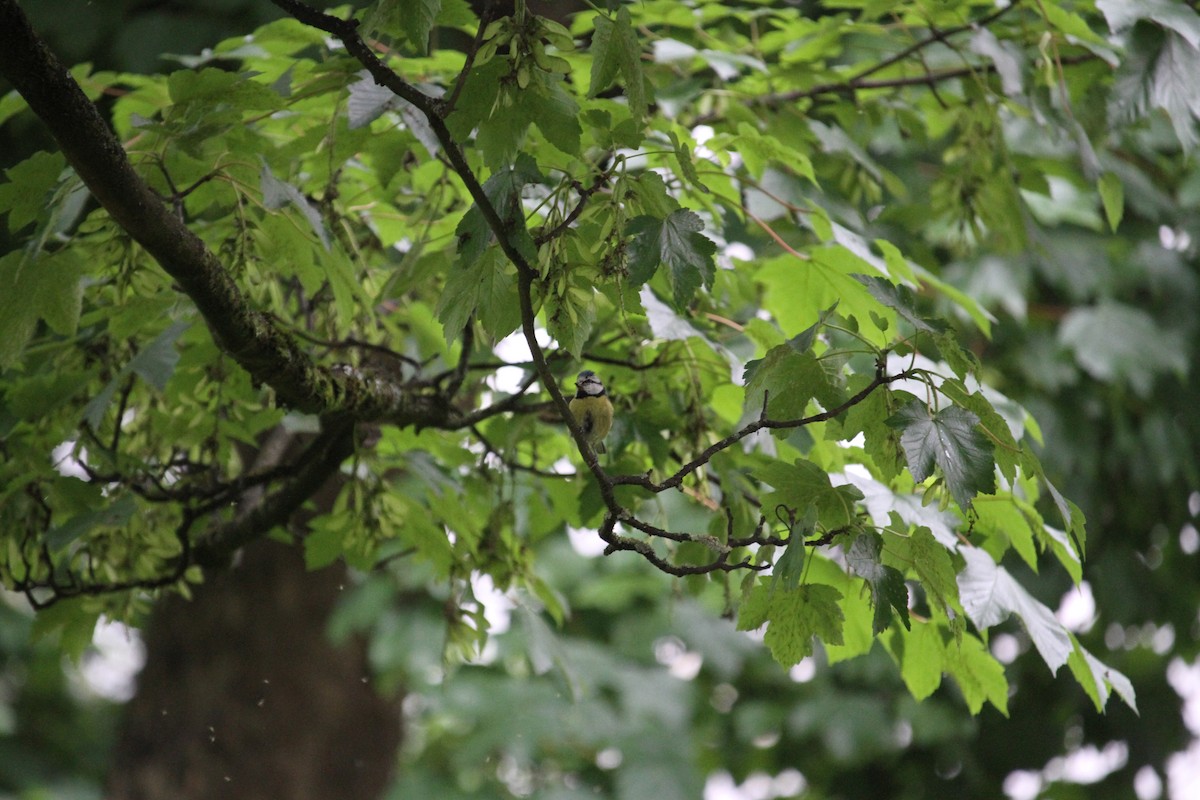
x=318 y=184
x=745 y=217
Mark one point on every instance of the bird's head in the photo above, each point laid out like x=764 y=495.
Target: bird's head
x=589 y=384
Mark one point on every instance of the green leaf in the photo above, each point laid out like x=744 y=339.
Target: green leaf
x=458 y=299
x=677 y=243
x=278 y=194
x=804 y=484
x=503 y=190
x=888 y=590
x=947 y=440
x=542 y=101
x=881 y=441
x=855 y=605
x=325 y=541
x=11 y=104
x=412 y=18
x=919 y=652
x=501 y=136
x=929 y=560
x=40 y=394
x=789 y=567
x=1073 y=518
x=787 y=380
x=155 y=364
x=758 y=151
x=1112 y=195
x=616 y=50
x=348 y=294
x=209 y=86
x=898 y=266
x=901 y=300
x=1003 y=521
x=803 y=341
x=797 y=290
x=73 y=622
x=1156 y=74
x=989 y=595
x=29 y=183
x=115 y=515
x=992 y=425
x=546 y=650
x=487 y=287
x=687 y=163
x=45 y=288
x=570 y=318
x=1178 y=17
x=478 y=99
x=553 y=111
x=1099 y=679
x=793 y=618
x=650 y=194
x=978 y=674
x=496 y=296
x=424 y=532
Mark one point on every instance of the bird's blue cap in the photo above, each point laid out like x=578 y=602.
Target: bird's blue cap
x=587 y=373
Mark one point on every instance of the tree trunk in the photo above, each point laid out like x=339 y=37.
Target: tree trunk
x=243 y=696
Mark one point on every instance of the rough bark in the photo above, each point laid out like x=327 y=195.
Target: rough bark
x=244 y=696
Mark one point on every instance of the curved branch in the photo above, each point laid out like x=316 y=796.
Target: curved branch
x=57 y=586
x=510 y=403
x=880 y=379
x=861 y=81
x=319 y=461
x=585 y=194
x=934 y=36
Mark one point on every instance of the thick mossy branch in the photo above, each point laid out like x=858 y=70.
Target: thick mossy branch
x=271 y=356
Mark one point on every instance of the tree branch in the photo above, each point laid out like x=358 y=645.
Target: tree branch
x=320 y=460
x=56 y=586
x=930 y=78
x=619 y=514
x=880 y=379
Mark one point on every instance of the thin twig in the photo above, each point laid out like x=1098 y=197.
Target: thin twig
x=485 y=18
x=492 y=450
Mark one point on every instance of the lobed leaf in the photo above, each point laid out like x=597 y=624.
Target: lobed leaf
x=948 y=441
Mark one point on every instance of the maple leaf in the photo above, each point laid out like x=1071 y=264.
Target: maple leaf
x=677 y=243
x=946 y=439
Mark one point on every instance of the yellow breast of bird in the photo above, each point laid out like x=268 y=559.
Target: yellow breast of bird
x=593 y=415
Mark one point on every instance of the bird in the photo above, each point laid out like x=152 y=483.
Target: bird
x=592 y=409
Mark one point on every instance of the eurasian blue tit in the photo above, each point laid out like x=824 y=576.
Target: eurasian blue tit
x=592 y=409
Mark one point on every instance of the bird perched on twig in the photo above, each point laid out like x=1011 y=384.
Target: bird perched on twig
x=592 y=409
